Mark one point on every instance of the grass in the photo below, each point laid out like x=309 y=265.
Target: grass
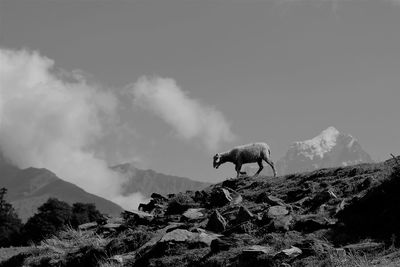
x=353 y=259
x=58 y=247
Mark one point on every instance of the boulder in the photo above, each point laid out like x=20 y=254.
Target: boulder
x=193 y=214
x=137 y=217
x=277 y=211
x=87 y=226
x=256 y=250
x=311 y=223
x=282 y=223
x=223 y=196
x=218 y=245
x=290 y=253
x=202 y=238
x=243 y=215
x=216 y=223
x=158 y=198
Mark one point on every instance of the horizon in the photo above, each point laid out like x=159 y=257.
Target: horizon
x=166 y=85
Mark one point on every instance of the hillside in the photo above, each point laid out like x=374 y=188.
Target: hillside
x=149 y=181
x=30 y=188
x=345 y=216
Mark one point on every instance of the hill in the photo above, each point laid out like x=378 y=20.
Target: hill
x=346 y=216
x=149 y=181
x=30 y=188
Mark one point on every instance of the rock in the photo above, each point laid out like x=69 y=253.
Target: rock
x=243 y=215
x=158 y=198
x=277 y=211
x=223 y=196
x=193 y=214
x=282 y=223
x=220 y=244
x=256 y=250
x=311 y=223
x=291 y=252
x=178 y=235
x=206 y=238
x=270 y=200
x=87 y=226
x=216 y=223
x=137 y=217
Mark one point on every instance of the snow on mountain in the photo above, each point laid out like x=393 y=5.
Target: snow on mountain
x=328 y=149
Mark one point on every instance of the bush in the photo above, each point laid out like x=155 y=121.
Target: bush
x=84 y=213
x=10 y=224
x=179 y=204
x=52 y=216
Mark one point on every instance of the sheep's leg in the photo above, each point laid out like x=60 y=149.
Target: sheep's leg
x=261 y=167
x=270 y=163
x=237 y=168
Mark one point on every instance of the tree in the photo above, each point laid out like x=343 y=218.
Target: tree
x=10 y=223
x=51 y=217
x=84 y=213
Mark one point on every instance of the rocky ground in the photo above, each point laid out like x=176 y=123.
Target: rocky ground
x=346 y=216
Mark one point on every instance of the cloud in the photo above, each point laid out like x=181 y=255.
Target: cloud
x=50 y=121
x=190 y=118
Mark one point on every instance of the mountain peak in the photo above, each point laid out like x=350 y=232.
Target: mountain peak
x=321 y=144
x=328 y=149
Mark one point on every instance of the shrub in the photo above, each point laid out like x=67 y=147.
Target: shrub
x=84 y=213
x=179 y=204
x=10 y=224
x=52 y=216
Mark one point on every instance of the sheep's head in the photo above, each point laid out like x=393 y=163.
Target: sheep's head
x=217 y=160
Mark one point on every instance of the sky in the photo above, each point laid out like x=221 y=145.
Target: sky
x=167 y=84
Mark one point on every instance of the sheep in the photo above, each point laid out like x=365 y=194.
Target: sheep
x=250 y=153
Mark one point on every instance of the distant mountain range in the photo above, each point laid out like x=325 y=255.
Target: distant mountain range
x=30 y=188
x=149 y=181
x=328 y=149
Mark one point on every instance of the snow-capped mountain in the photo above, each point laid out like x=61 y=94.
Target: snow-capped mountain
x=329 y=149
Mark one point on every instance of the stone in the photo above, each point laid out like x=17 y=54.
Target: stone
x=87 y=226
x=158 y=198
x=220 y=244
x=243 y=215
x=223 y=196
x=182 y=235
x=178 y=235
x=216 y=223
x=138 y=217
x=291 y=252
x=258 y=250
x=193 y=214
x=282 y=223
x=277 y=211
x=311 y=223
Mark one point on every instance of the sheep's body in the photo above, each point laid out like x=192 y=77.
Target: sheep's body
x=250 y=153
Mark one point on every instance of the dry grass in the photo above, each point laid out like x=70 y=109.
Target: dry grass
x=59 y=246
x=352 y=259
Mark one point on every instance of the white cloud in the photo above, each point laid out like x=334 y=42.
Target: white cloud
x=190 y=118
x=50 y=122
